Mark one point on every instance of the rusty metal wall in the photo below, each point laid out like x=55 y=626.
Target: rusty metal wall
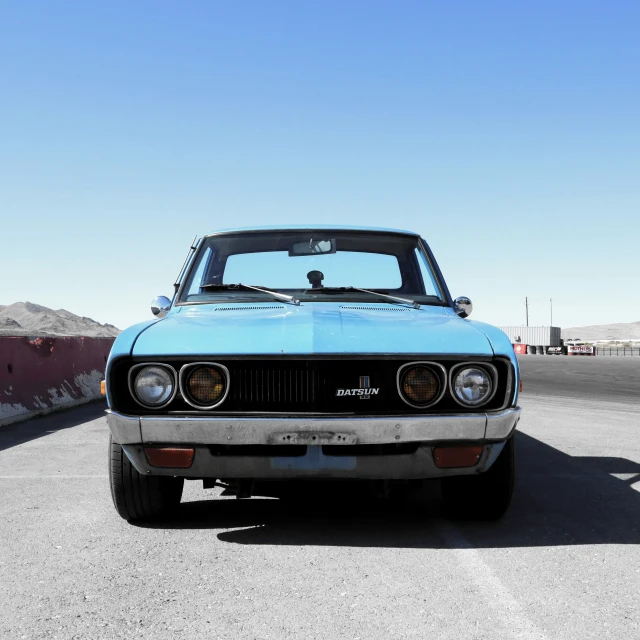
x=39 y=375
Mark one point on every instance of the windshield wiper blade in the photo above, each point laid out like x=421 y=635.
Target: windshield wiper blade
x=413 y=303
x=231 y=287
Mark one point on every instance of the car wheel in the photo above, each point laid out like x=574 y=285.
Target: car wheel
x=139 y=497
x=485 y=496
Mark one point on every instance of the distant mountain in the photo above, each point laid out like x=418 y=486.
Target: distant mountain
x=26 y=318
x=618 y=331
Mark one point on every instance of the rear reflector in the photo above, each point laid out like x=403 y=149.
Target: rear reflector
x=447 y=457
x=174 y=457
x=520 y=384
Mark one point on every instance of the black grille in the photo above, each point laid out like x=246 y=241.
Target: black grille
x=308 y=386
x=298 y=386
x=269 y=386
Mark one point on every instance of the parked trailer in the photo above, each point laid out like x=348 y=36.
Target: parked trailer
x=538 y=336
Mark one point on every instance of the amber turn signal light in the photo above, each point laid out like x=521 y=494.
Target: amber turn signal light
x=206 y=385
x=419 y=386
x=520 y=385
x=170 y=457
x=449 y=457
x=103 y=390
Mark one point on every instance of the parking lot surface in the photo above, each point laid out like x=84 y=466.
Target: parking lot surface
x=563 y=563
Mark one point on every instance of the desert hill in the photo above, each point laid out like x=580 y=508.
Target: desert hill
x=616 y=331
x=26 y=318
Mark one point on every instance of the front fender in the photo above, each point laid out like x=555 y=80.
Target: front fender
x=501 y=345
x=123 y=346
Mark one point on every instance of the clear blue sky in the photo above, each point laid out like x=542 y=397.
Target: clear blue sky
x=507 y=133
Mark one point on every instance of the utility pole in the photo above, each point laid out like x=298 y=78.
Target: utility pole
x=551 y=303
x=526 y=306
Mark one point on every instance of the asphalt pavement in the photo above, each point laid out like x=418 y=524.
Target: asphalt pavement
x=586 y=377
x=564 y=562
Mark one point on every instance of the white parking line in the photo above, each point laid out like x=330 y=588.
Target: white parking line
x=65 y=477
x=498 y=597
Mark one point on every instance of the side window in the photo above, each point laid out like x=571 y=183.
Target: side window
x=196 y=280
x=430 y=286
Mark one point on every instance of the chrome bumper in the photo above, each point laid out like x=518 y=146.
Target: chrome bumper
x=475 y=427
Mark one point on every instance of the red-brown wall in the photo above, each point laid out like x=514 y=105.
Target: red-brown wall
x=38 y=375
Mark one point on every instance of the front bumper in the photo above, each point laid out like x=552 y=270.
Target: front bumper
x=488 y=429
x=182 y=430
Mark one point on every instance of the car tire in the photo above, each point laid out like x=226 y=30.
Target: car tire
x=485 y=496
x=138 y=497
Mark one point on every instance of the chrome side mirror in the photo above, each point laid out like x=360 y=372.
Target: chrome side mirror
x=160 y=306
x=463 y=306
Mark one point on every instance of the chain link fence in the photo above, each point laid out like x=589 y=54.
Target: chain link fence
x=617 y=351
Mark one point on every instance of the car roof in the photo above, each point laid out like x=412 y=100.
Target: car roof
x=310 y=227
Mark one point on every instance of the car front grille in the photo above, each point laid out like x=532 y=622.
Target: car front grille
x=270 y=386
x=310 y=386
x=307 y=386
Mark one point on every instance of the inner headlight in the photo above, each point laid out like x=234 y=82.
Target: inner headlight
x=472 y=386
x=419 y=385
x=153 y=385
x=205 y=385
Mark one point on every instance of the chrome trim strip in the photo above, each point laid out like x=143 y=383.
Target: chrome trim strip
x=493 y=372
x=445 y=294
x=185 y=272
x=185 y=394
x=192 y=248
x=443 y=383
x=159 y=365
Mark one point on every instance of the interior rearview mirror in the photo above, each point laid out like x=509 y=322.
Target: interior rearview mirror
x=313 y=247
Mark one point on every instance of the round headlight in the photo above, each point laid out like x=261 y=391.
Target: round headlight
x=472 y=386
x=419 y=385
x=153 y=386
x=206 y=385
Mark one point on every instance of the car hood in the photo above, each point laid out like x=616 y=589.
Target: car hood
x=311 y=328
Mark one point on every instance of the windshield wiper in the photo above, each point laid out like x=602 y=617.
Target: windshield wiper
x=231 y=287
x=413 y=303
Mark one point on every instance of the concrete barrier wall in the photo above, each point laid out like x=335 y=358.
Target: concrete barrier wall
x=40 y=375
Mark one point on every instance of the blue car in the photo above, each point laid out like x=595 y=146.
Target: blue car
x=311 y=353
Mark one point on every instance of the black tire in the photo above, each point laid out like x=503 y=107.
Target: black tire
x=138 y=497
x=485 y=496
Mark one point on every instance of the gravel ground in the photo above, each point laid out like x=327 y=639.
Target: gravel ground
x=563 y=563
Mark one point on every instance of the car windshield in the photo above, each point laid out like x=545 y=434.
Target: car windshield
x=312 y=266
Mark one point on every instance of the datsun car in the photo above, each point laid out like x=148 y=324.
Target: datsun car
x=289 y=354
